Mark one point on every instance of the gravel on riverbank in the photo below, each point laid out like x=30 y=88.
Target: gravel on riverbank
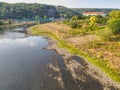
x=89 y=69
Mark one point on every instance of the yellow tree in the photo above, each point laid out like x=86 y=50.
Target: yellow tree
x=93 y=21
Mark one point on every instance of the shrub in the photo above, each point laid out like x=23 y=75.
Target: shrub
x=75 y=25
x=1 y=23
x=114 y=25
x=9 y=22
x=66 y=22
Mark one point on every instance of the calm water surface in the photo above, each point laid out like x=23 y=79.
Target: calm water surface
x=23 y=62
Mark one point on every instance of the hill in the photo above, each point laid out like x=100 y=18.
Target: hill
x=66 y=11
x=23 y=10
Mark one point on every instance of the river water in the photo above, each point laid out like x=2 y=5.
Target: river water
x=24 y=61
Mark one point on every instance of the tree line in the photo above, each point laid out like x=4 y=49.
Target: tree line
x=23 y=10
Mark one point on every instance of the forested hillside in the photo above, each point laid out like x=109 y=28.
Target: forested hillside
x=22 y=10
x=66 y=11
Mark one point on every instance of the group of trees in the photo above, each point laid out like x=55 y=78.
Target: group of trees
x=105 y=26
x=90 y=21
x=23 y=10
x=114 y=22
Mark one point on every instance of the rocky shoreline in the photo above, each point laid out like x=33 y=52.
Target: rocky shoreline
x=83 y=71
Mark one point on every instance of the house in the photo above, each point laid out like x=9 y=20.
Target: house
x=94 y=14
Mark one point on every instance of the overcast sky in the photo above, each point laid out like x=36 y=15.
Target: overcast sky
x=74 y=3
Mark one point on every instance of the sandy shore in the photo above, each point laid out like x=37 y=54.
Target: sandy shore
x=84 y=72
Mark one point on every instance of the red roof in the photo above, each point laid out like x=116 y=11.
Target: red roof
x=99 y=13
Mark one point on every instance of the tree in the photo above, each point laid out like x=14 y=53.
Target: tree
x=99 y=19
x=77 y=17
x=74 y=25
x=93 y=21
x=115 y=14
x=37 y=18
x=114 y=25
x=45 y=17
x=1 y=23
x=102 y=20
x=74 y=18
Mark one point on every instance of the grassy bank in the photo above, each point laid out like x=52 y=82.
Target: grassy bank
x=57 y=33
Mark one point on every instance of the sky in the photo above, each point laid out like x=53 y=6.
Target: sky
x=74 y=3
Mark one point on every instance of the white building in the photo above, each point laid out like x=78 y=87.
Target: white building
x=94 y=14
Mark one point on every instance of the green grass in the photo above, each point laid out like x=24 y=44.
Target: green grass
x=114 y=74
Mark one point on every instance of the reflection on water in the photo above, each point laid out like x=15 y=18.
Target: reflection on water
x=23 y=42
x=12 y=35
x=23 y=62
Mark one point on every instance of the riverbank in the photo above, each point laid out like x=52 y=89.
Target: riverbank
x=80 y=69
x=17 y=24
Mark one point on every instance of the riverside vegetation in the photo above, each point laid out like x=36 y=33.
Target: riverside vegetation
x=95 y=38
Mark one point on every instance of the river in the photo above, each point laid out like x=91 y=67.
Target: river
x=24 y=61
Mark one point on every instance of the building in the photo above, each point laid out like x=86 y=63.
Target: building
x=94 y=14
